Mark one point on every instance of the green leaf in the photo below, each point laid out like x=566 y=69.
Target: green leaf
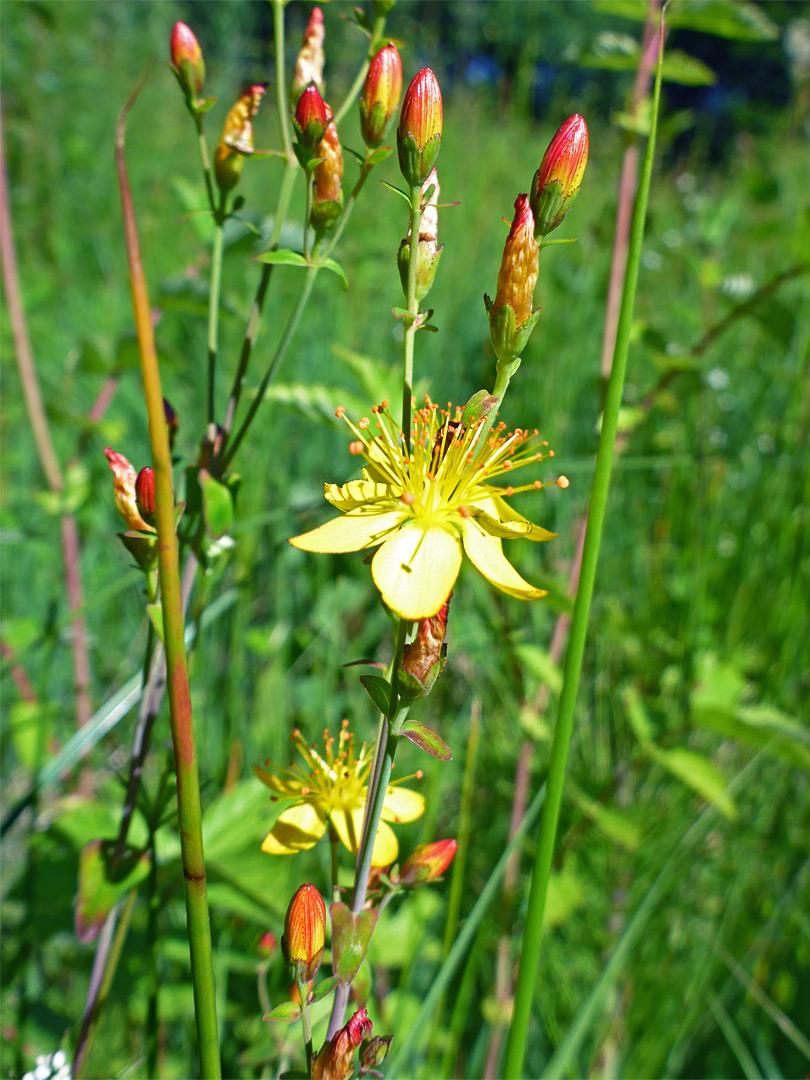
x=217 y=503
x=615 y=824
x=102 y=881
x=612 y=51
x=285 y=1013
x=399 y=191
x=407 y=317
x=737 y=20
x=350 y=937
x=284 y=257
x=379 y=155
x=698 y=773
x=323 y=989
x=539 y=663
x=379 y=690
x=336 y=268
x=155 y=613
x=636 y=712
x=426 y=739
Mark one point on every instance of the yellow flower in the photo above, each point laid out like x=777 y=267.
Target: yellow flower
x=332 y=789
x=426 y=510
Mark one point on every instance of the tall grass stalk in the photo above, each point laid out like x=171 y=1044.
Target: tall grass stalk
x=188 y=787
x=530 y=948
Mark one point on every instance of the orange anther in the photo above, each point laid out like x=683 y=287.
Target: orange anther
x=356 y=447
x=562 y=482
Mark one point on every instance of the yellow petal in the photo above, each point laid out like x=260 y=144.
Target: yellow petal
x=349 y=826
x=355 y=493
x=289 y=788
x=486 y=555
x=360 y=528
x=386 y=847
x=497 y=517
x=299 y=828
x=416 y=569
x=402 y=804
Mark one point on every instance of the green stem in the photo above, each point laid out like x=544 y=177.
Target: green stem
x=252 y=331
x=206 y=162
x=412 y=305
x=182 y=726
x=357 y=85
x=333 y=846
x=306 y=1024
x=530 y=948
x=213 y=316
x=308 y=215
x=282 y=104
x=278 y=356
x=153 y=975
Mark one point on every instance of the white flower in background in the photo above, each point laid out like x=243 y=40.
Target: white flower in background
x=50 y=1067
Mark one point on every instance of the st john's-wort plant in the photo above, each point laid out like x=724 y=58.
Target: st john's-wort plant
x=435 y=484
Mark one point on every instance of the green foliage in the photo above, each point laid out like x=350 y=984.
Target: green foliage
x=684 y=829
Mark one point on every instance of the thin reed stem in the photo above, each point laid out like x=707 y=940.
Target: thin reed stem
x=530 y=948
x=214 y=293
x=188 y=789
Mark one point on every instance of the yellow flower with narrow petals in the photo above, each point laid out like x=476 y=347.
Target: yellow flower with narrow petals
x=426 y=509
x=332 y=790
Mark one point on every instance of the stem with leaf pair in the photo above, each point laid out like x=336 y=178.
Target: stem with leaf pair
x=530 y=948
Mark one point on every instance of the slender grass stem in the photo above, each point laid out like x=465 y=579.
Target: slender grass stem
x=213 y=316
x=357 y=85
x=188 y=788
x=530 y=948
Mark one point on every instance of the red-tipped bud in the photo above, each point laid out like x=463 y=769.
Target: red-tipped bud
x=557 y=181
x=419 y=137
x=511 y=319
x=124 y=477
x=380 y=94
x=145 y=492
x=309 y=62
x=425 y=657
x=335 y=1061
x=304 y=931
x=187 y=60
x=327 y=195
x=172 y=423
x=427 y=862
x=428 y=251
x=236 y=140
x=312 y=117
x=267 y=945
x=373 y=1053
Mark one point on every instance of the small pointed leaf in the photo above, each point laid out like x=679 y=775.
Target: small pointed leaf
x=379 y=690
x=285 y=1013
x=284 y=257
x=323 y=989
x=426 y=739
x=350 y=937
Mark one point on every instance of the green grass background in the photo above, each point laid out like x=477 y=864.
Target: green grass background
x=699 y=626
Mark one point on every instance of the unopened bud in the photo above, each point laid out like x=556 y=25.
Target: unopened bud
x=428 y=251
x=335 y=1061
x=236 y=140
x=309 y=62
x=478 y=407
x=557 y=181
x=424 y=658
x=187 y=60
x=419 y=136
x=380 y=94
x=373 y=1052
x=145 y=492
x=511 y=319
x=124 y=477
x=311 y=118
x=427 y=862
x=383 y=7
x=267 y=944
x=172 y=423
x=304 y=930
x=327 y=194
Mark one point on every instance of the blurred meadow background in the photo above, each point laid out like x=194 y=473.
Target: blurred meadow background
x=678 y=926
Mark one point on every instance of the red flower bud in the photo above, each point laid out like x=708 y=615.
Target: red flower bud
x=335 y=1061
x=187 y=59
x=419 y=137
x=380 y=94
x=312 y=117
x=304 y=930
x=145 y=492
x=557 y=181
x=267 y=944
x=309 y=62
x=427 y=862
x=172 y=423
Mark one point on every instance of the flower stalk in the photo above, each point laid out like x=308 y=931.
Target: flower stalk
x=530 y=947
x=188 y=790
